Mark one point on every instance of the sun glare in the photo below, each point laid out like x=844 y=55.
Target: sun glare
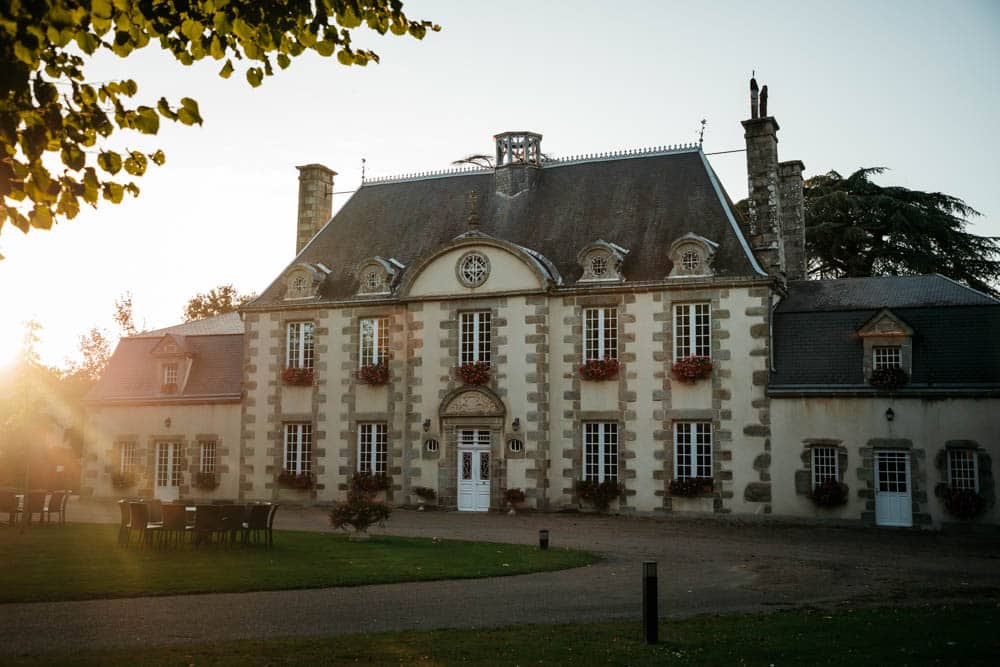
x=11 y=337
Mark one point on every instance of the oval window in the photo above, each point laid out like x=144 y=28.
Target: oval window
x=431 y=445
x=515 y=445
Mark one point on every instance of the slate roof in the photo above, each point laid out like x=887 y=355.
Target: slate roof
x=133 y=374
x=641 y=202
x=955 y=334
x=227 y=323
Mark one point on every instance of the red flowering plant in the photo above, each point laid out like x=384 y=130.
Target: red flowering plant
x=475 y=372
x=367 y=483
x=375 y=374
x=692 y=369
x=600 y=369
x=598 y=494
x=168 y=388
x=298 y=377
x=829 y=493
x=961 y=503
x=888 y=379
x=302 y=481
x=206 y=481
x=691 y=487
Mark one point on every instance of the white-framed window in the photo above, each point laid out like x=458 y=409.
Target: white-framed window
x=208 y=451
x=128 y=456
x=474 y=334
x=963 y=469
x=600 y=333
x=824 y=465
x=170 y=374
x=298 y=448
x=692 y=330
x=373 y=448
x=600 y=451
x=299 y=347
x=692 y=449
x=886 y=356
x=374 y=341
x=515 y=445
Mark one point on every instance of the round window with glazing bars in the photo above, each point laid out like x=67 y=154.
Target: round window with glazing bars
x=473 y=269
x=373 y=280
x=599 y=266
x=431 y=445
x=691 y=260
x=515 y=445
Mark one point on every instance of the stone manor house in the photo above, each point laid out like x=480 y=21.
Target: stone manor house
x=604 y=318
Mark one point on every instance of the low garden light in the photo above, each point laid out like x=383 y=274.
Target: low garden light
x=889 y=414
x=543 y=540
x=427 y=425
x=516 y=424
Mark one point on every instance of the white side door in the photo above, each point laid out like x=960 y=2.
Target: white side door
x=168 y=465
x=893 y=490
x=474 y=470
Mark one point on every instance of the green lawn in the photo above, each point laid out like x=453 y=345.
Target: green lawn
x=927 y=635
x=83 y=561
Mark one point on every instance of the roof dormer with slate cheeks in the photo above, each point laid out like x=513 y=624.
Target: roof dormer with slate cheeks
x=602 y=262
x=377 y=276
x=691 y=256
x=302 y=280
x=887 y=340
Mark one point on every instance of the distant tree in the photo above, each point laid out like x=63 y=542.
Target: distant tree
x=218 y=300
x=857 y=228
x=50 y=113
x=95 y=351
x=124 y=316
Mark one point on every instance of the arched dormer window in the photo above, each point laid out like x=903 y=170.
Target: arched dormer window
x=377 y=275
x=691 y=256
x=302 y=280
x=602 y=262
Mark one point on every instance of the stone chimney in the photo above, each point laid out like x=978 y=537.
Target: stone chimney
x=518 y=161
x=315 y=202
x=776 y=224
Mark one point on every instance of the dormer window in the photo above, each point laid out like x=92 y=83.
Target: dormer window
x=302 y=280
x=886 y=356
x=373 y=281
x=602 y=262
x=887 y=342
x=690 y=256
x=376 y=275
x=170 y=374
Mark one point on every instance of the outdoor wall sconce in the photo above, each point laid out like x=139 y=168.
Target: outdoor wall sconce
x=889 y=415
x=427 y=425
x=166 y=422
x=516 y=424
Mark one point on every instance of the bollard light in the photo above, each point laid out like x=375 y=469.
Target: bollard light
x=543 y=540
x=650 y=613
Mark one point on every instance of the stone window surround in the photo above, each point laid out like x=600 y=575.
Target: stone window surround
x=600 y=329
x=614 y=417
x=694 y=445
x=984 y=469
x=804 y=475
x=301 y=360
x=712 y=308
x=380 y=321
x=619 y=428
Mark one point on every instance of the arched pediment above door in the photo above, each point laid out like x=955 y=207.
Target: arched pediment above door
x=472 y=402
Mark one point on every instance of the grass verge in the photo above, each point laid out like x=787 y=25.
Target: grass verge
x=925 y=635
x=83 y=561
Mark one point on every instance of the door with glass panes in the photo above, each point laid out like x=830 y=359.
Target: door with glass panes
x=474 y=470
x=168 y=471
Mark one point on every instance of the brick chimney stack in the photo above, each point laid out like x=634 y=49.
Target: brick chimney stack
x=776 y=225
x=315 y=202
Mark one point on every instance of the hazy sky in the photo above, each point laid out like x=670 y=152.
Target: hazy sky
x=913 y=86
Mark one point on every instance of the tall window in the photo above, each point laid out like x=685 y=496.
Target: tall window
x=600 y=451
x=824 y=465
x=207 y=456
x=373 y=448
x=474 y=333
x=963 y=470
x=885 y=356
x=692 y=449
x=600 y=333
x=298 y=448
x=374 y=341
x=300 y=345
x=692 y=330
x=170 y=374
x=129 y=456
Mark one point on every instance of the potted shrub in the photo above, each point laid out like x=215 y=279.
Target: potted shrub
x=513 y=498
x=962 y=503
x=359 y=512
x=299 y=481
x=206 y=481
x=691 y=487
x=599 y=369
x=297 y=377
x=123 y=480
x=830 y=493
x=692 y=369
x=425 y=494
x=888 y=379
x=475 y=373
x=369 y=483
x=373 y=374
x=598 y=494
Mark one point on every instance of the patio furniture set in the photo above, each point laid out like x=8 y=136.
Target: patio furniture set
x=49 y=506
x=165 y=524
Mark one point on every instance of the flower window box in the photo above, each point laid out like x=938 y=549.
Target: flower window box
x=298 y=377
x=597 y=370
x=830 y=493
x=474 y=373
x=691 y=487
x=692 y=369
x=300 y=481
x=373 y=374
x=168 y=388
x=888 y=379
x=206 y=481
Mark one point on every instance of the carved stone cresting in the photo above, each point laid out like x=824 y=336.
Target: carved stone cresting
x=691 y=255
x=472 y=403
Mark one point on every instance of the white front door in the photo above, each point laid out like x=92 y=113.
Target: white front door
x=893 y=496
x=474 y=470
x=168 y=471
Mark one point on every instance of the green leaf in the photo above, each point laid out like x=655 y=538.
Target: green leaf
x=73 y=157
x=164 y=108
x=110 y=162
x=284 y=61
x=158 y=158
x=146 y=120
x=41 y=217
x=227 y=69
x=255 y=76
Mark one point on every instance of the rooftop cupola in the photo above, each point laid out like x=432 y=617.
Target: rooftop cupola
x=518 y=159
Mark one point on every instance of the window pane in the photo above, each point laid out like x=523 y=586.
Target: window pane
x=703 y=330
x=208 y=456
x=682 y=450
x=293 y=348
x=365 y=439
x=703 y=463
x=305 y=448
x=610 y=334
x=591 y=334
x=824 y=465
x=682 y=331
x=474 y=336
x=885 y=357
x=367 y=342
x=383 y=340
x=962 y=469
x=610 y=452
x=306 y=360
x=591 y=451
x=381 y=449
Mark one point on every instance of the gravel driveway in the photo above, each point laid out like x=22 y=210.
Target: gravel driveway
x=704 y=566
